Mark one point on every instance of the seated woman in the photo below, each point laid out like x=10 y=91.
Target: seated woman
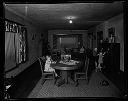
x=48 y=68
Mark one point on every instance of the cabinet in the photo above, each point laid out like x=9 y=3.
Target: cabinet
x=112 y=57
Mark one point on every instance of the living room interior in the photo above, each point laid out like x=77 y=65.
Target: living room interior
x=48 y=29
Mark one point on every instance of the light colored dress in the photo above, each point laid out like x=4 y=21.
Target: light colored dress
x=48 y=67
x=100 y=60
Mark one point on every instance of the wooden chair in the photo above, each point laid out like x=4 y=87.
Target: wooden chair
x=55 y=55
x=46 y=75
x=83 y=73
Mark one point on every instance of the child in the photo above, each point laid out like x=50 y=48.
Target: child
x=95 y=57
x=100 y=61
x=48 y=68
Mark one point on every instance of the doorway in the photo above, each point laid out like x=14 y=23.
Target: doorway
x=99 y=39
x=90 y=40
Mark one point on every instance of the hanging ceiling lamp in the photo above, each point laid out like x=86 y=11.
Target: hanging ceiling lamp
x=70 y=21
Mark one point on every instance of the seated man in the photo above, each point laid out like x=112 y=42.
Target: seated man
x=48 y=68
x=82 y=49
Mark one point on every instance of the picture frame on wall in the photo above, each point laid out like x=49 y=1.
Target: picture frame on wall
x=111 y=35
x=111 y=31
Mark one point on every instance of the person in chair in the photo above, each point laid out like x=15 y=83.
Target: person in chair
x=82 y=49
x=48 y=68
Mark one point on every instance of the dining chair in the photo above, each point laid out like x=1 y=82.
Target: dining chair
x=46 y=75
x=83 y=72
x=55 y=55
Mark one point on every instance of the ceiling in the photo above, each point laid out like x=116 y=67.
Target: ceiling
x=55 y=16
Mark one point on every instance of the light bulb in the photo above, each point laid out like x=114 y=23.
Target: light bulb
x=70 y=21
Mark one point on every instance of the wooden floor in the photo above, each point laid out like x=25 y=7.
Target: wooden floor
x=27 y=80
x=92 y=89
x=118 y=78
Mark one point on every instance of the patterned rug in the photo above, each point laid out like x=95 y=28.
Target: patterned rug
x=93 y=89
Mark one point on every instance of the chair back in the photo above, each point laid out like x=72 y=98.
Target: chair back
x=55 y=55
x=66 y=57
x=42 y=63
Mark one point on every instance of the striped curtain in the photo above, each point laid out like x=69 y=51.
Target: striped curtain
x=18 y=48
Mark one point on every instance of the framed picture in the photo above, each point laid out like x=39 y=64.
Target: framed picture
x=111 y=31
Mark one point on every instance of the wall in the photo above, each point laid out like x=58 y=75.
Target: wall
x=51 y=32
x=117 y=23
x=34 y=46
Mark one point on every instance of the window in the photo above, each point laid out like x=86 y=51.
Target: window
x=68 y=42
x=15 y=44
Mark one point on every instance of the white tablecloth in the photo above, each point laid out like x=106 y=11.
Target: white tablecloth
x=71 y=62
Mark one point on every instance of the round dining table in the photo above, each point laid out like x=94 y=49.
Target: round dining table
x=65 y=71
